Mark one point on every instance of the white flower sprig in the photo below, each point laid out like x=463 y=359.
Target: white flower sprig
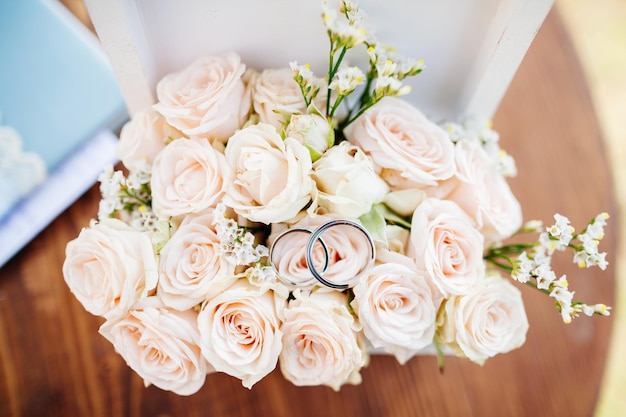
x=481 y=132
x=346 y=30
x=532 y=265
x=236 y=243
x=127 y=198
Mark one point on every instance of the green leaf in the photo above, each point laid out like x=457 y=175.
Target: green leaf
x=315 y=155
x=391 y=216
x=375 y=224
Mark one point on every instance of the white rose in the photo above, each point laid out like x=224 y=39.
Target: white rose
x=488 y=320
x=320 y=341
x=276 y=96
x=446 y=245
x=188 y=176
x=143 y=137
x=404 y=202
x=396 y=306
x=313 y=131
x=407 y=149
x=397 y=238
x=483 y=192
x=109 y=266
x=191 y=266
x=348 y=250
x=271 y=181
x=240 y=332
x=160 y=344
x=347 y=182
x=206 y=99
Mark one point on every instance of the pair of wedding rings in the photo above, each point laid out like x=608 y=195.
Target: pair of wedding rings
x=317 y=239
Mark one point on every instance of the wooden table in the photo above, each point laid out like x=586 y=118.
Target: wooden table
x=53 y=362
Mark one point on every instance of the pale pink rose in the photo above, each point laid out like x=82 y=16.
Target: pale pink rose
x=188 y=176
x=271 y=181
x=408 y=150
x=313 y=131
x=488 y=320
x=320 y=341
x=143 y=137
x=483 y=192
x=347 y=183
x=447 y=246
x=161 y=344
x=109 y=266
x=396 y=306
x=240 y=332
x=191 y=267
x=348 y=250
x=276 y=96
x=206 y=99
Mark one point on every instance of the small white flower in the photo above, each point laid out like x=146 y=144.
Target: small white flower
x=386 y=68
x=377 y=53
x=346 y=80
x=301 y=72
x=547 y=244
x=409 y=67
x=544 y=275
x=533 y=226
x=522 y=269
x=561 y=229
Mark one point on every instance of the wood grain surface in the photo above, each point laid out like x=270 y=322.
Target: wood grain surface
x=54 y=363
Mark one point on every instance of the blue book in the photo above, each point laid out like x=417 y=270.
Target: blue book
x=59 y=102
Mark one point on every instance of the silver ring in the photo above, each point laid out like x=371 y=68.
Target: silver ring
x=308 y=258
x=316 y=235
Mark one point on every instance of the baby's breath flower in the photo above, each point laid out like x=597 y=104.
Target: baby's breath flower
x=346 y=80
x=506 y=164
x=389 y=86
x=522 y=268
x=409 y=67
x=110 y=182
x=386 y=68
x=343 y=33
x=561 y=229
x=544 y=275
x=377 y=53
x=236 y=245
x=546 y=244
x=533 y=226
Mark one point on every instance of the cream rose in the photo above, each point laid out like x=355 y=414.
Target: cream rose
x=407 y=149
x=488 y=320
x=348 y=250
x=446 y=245
x=206 y=99
x=483 y=192
x=188 y=176
x=271 y=181
x=160 y=344
x=109 y=266
x=396 y=306
x=313 y=131
x=143 y=137
x=240 y=332
x=276 y=96
x=320 y=341
x=191 y=268
x=347 y=183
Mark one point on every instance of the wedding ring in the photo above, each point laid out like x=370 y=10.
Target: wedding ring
x=316 y=235
x=290 y=280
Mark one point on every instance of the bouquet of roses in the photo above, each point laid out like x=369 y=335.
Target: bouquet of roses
x=276 y=218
